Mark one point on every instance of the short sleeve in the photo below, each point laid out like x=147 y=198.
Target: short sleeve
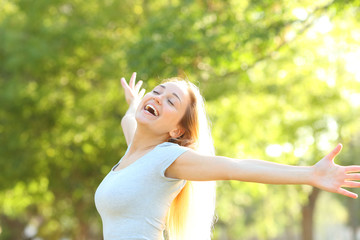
x=169 y=152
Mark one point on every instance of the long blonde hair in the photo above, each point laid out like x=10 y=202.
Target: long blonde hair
x=191 y=215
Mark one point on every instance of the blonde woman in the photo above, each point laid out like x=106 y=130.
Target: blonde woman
x=160 y=188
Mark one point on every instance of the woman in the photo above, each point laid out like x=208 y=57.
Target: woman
x=150 y=191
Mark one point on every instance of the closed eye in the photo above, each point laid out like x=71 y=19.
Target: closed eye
x=171 y=102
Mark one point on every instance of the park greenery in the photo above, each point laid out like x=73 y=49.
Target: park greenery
x=281 y=81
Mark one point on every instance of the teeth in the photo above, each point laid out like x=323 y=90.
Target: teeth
x=151 y=109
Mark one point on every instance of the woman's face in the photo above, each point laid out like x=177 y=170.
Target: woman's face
x=162 y=109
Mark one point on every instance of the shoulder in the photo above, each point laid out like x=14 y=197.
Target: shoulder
x=186 y=155
x=171 y=151
x=171 y=146
x=189 y=165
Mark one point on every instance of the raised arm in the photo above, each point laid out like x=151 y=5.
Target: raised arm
x=325 y=174
x=133 y=96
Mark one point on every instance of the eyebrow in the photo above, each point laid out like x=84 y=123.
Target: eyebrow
x=173 y=93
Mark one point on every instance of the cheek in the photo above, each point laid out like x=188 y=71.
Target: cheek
x=170 y=116
x=174 y=117
x=146 y=98
x=143 y=100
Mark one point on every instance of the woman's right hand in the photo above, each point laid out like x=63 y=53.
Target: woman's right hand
x=133 y=94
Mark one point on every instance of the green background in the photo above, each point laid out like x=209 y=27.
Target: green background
x=281 y=80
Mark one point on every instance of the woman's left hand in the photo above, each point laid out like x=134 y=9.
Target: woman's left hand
x=332 y=177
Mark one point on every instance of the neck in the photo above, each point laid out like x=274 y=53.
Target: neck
x=144 y=139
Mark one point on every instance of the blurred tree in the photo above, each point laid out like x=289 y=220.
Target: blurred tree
x=55 y=130
x=349 y=156
x=278 y=77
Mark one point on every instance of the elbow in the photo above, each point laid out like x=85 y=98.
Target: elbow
x=237 y=170
x=232 y=170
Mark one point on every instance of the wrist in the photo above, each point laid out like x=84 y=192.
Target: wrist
x=132 y=108
x=311 y=176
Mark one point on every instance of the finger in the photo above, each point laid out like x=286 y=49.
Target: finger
x=347 y=193
x=334 y=152
x=354 y=168
x=138 y=85
x=124 y=83
x=141 y=93
x=353 y=176
x=351 y=184
x=132 y=80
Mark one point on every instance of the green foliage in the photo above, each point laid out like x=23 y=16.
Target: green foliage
x=278 y=76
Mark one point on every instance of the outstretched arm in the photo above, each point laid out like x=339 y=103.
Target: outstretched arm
x=325 y=174
x=133 y=96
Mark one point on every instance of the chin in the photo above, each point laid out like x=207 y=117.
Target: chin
x=143 y=121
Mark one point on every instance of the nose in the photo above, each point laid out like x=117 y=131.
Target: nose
x=157 y=99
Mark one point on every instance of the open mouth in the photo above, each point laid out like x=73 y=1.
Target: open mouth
x=151 y=109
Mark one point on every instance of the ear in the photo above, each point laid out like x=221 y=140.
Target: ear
x=177 y=132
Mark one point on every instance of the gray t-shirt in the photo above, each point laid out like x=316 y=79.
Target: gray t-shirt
x=133 y=202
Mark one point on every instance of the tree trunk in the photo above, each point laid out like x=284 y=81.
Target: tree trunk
x=353 y=217
x=308 y=215
x=11 y=228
